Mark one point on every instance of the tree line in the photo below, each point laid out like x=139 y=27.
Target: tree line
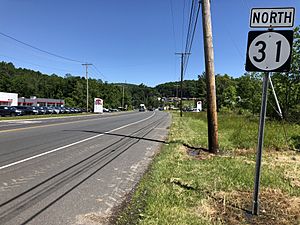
x=240 y=94
x=72 y=89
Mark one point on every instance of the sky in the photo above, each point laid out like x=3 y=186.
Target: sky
x=131 y=41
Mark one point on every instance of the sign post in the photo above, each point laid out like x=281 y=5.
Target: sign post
x=262 y=119
x=268 y=51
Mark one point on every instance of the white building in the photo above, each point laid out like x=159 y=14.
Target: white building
x=10 y=99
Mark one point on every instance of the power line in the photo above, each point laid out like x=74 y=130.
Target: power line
x=34 y=64
x=173 y=26
x=189 y=41
x=39 y=49
x=183 y=15
x=99 y=72
x=189 y=27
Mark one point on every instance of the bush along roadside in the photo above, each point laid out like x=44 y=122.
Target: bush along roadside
x=190 y=186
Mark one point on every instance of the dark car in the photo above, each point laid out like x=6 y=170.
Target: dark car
x=25 y=109
x=49 y=110
x=10 y=111
x=42 y=110
x=34 y=110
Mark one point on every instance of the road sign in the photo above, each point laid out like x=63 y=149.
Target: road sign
x=269 y=51
x=272 y=17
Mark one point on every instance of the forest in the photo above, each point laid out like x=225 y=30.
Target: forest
x=241 y=94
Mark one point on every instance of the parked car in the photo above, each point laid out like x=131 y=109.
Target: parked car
x=105 y=110
x=56 y=110
x=42 y=109
x=10 y=111
x=49 y=110
x=26 y=110
x=33 y=110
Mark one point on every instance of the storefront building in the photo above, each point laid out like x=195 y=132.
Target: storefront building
x=8 y=99
x=34 y=101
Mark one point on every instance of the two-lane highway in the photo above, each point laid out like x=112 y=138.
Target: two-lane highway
x=74 y=170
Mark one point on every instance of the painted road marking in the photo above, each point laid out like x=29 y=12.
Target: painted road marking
x=72 y=144
x=50 y=125
x=25 y=122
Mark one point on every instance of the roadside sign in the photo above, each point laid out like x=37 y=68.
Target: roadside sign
x=272 y=17
x=269 y=51
x=199 y=106
x=98 y=105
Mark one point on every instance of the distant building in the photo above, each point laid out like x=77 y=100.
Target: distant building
x=11 y=99
x=8 y=99
x=34 y=101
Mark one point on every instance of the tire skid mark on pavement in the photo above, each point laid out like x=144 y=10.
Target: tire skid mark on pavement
x=123 y=182
x=87 y=165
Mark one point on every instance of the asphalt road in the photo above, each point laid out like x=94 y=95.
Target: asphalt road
x=74 y=170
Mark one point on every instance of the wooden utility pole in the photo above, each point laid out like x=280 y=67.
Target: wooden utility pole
x=181 y=79
x=212 y=118
x=87 y=85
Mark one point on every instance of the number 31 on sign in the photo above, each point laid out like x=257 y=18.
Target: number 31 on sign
x=269 y=51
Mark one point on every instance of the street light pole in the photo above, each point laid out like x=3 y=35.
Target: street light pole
x=87 y=85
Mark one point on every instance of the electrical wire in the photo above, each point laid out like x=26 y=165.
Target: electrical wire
x=189 y=27
x=183 y=15
x=173 y=25
x=39 y=49
x=49 y=53
x=99 y=72
x=191 y=32
x=39 y=65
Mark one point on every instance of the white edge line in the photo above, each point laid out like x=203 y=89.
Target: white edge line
x=72 y=144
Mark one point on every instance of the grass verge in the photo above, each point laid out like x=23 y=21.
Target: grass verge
x=182 y=188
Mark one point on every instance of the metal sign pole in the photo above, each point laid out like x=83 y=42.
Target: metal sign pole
x=260 y=143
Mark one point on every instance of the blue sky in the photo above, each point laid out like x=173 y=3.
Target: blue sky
x=127 y=40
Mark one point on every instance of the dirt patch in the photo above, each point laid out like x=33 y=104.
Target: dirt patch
x=290 y=162
x=93 y=219
x=243 y=152
x=196 y=153
x=276 y=208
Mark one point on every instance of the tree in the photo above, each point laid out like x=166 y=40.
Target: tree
x=287 y=85
x=226 y=91
x=249 y=89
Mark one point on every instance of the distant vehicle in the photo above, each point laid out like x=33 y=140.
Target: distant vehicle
x=105 y=110
x=10 y=111
x=49 y=110
x=42 y=110
x=25 y=109
x=142 y=108
x=56 y=110
x=33 y=110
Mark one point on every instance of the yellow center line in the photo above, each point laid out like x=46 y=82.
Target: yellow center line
x=48 y=125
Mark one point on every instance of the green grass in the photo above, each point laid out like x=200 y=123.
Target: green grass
x=235 y=131
x=215 y=189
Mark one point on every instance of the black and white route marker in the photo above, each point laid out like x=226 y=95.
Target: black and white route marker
x=269 y=51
